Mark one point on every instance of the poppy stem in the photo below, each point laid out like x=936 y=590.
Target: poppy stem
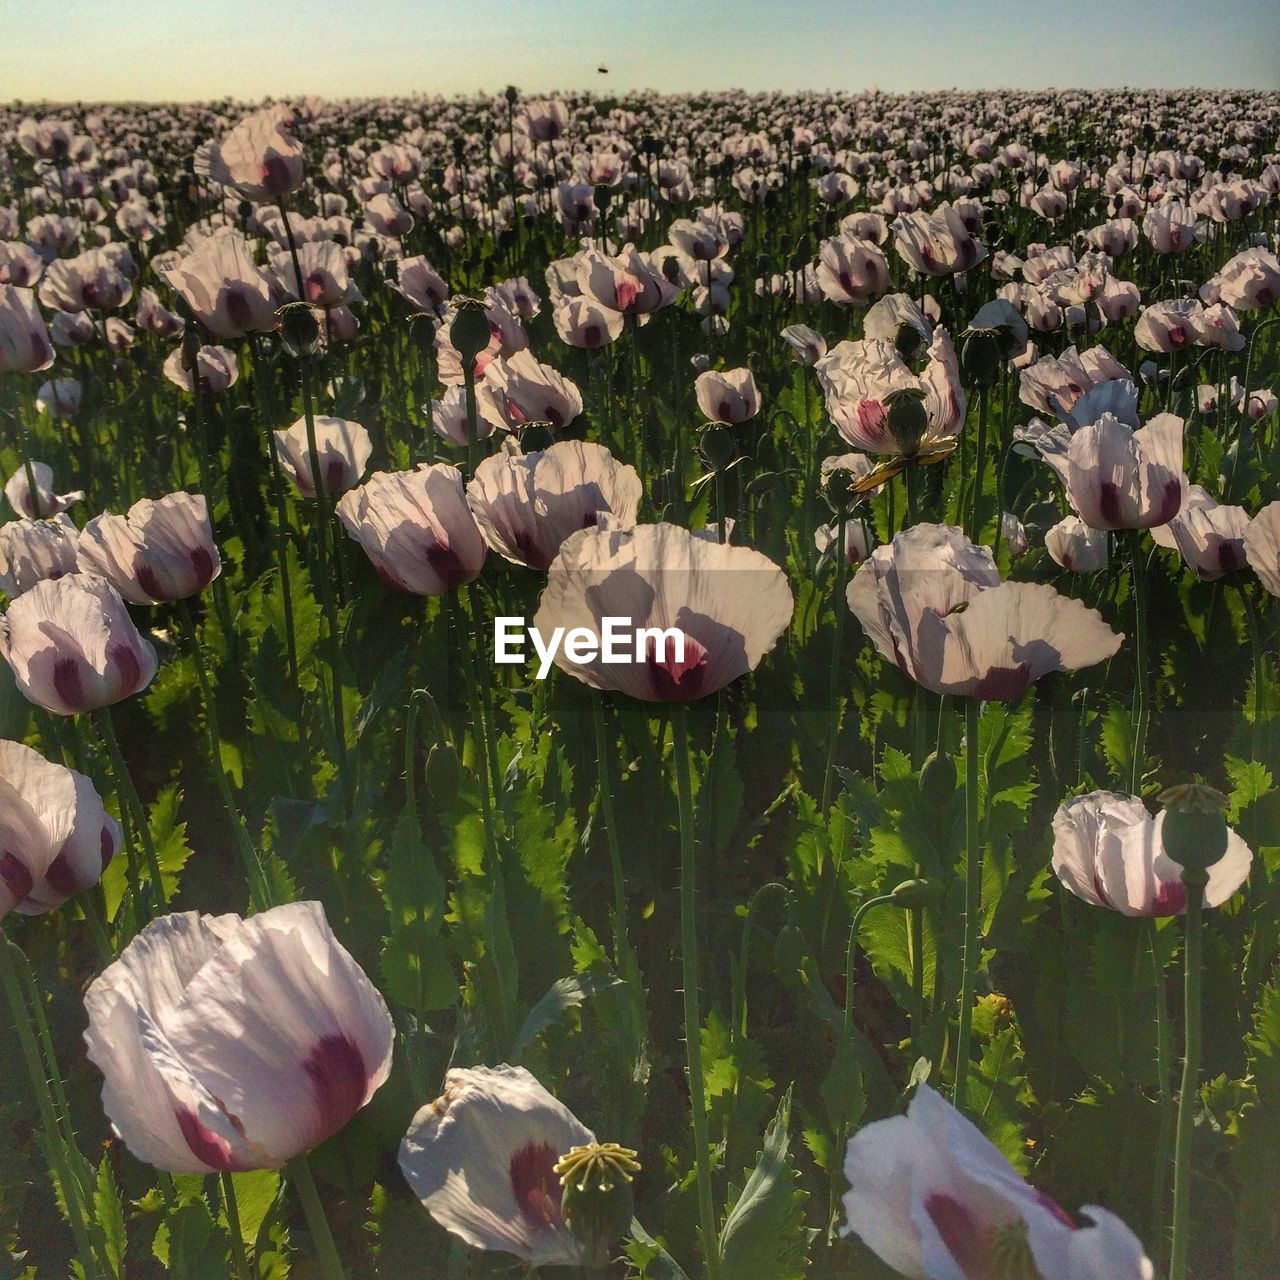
x=259 y=892
x=692 y=1014
x=55 y=1150
x=621 y=947
x=972 y=901
x=1195 y=881
x=231 y=1208
x=131 y=809
x=326 y=1251
x=1142 y=675
x=1160 y=1171
x=833 y=693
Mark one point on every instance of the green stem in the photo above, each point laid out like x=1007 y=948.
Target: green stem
x=620 y=946
x=692 y=1014
x=972 y=901
x=1195 y=882
x=1160 y=1171
x=130 y=801
x=833 y=690
x=259 y=892
x=232 y=1209
x=322 y=1237
x=55 y=1149
x=1142 y=676
x=974 y=531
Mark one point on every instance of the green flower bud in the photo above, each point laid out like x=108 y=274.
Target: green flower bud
x=443 y=774
x=916 y=893
x=598 y=1201
x=1195 y=826
x=938 y=780
x=788 y=951
x=469 y=331
x=908 y=419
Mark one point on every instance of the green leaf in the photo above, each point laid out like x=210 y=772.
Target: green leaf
x=654 y=1261
x=256 y=1193
x=1258 y=1140
x=764 y=1236
x=109 y=1217
x=564 y=995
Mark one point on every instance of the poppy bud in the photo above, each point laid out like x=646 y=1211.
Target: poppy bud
x=938 y=780
x=980 y=358
x=718 y=447
x=469 y=332
x=603 y=197
x=299 y=331
x=1195 y=826
x=913 y=894
x=908 y=418
x=443 y=774
x=599 y=1199
x=788 y=951
x=512 y=93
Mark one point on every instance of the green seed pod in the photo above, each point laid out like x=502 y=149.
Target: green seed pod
x=536 y=437
x=443 y=774
x=980 y=357
x=299 y=332
x=469 y=331
x=908 y=418
x=1195 y=829
x=718 y=447
x=907 y=341
x=598 y=1201
x=938 y=780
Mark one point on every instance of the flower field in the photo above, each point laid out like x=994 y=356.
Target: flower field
x=678 y=687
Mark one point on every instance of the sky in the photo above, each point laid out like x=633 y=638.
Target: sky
x=90 y=50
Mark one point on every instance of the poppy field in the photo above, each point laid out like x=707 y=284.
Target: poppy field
x=676 y=687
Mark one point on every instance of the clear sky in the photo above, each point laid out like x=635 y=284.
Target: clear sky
x=189 y=49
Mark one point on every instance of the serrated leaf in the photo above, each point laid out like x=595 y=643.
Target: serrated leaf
x=108 y=1215
x=764 y=1236
x=566 y=994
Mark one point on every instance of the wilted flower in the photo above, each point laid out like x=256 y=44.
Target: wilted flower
x=55 y=836
x=860 y=379
x=527 y=504
x=160 y=551
x=935 y=1200
x=230 y=1044
x=343 y=449
x=1107 y=850
x=73 y=647
x=724 y=606
x=482 y=1159
x=416 y=528
x=908 y=598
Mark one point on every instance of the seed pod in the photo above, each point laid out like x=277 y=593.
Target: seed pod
x=1195 y=826
x=469 y=331
x=599 y=1197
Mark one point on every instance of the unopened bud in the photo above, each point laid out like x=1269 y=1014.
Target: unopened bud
x=443 y=774
x=980 y=358
x=913 y=894
x=299 y=332
x=938 y=780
